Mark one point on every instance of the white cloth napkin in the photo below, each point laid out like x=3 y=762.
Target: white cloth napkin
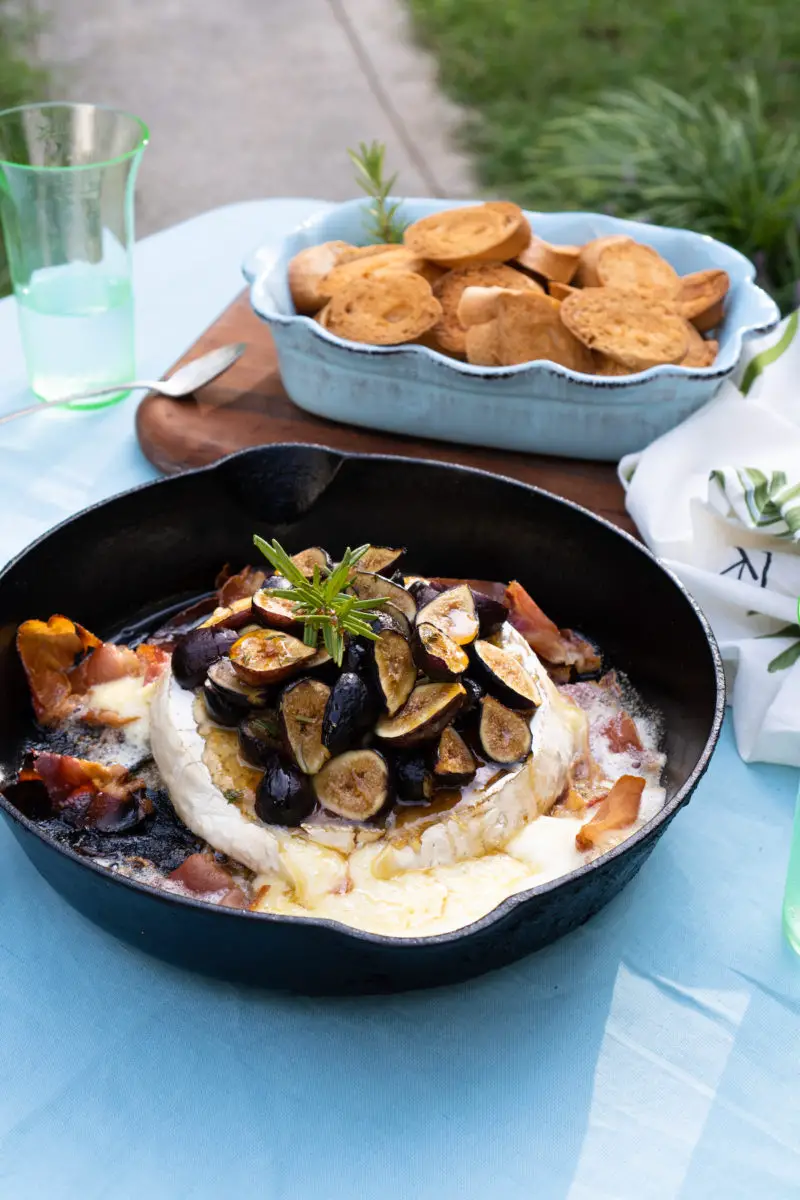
x=718 y=499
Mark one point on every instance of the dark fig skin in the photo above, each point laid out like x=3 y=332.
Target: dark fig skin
x=285 y=795
x=219 y=708
x=196 y=651
x=491 y=613
x=350 y=711
x=359 y=655
x=260 y=738
x=412 y=778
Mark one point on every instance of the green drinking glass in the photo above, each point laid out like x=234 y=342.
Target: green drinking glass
x=67 y=176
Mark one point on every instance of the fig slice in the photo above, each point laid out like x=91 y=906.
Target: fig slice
x=452 y=611
x=505 y=736
x=272 y=609
x=413 y=781
x=369 y=586
x=349 y=712
x=235 y=616
x=314 y=556
x=285 y=795
x=422 y=718
x=454 y=764
x=354 y=785
x=196 y=650
x=437 y=655
x=395 y=669
x=379 y=559
x=302 y=706
x=505 y=677
x=267 y=656
x=223 y=680
x=260 y=736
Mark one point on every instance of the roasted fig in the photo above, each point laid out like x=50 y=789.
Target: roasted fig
x=350 y=711
x=422 y=718
x=260 y=736
x=302 y=706
x=475 y=694
x=380 y=559
x=437 y=655
x=454 y=765
x=270 y=608
x=423 y=592
x=358 y=655
x=368 y=586
x=395 y=669
x=413 y=781
x=284 y=795
x=452 y=611
x=277 y=583
x=354 y=785
x=219 y=708
x=390 y=617
x=315 y=556
x=197 y=650
x=225 y=681
x=267 y=656
x=235 y=616
x=505 y=736
x=492 y=614
x=505 y=677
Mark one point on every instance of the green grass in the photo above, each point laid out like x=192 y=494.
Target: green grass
x=515 y=63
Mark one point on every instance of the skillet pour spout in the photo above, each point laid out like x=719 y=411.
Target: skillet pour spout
x=121 y=563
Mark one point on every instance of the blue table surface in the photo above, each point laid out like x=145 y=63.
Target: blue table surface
x=651 y=1055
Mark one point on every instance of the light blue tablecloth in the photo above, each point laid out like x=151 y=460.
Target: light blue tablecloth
x=652 y=1055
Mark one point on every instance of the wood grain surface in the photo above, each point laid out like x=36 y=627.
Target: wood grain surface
x=248 y=406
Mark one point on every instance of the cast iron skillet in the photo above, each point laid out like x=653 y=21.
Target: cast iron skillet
x=162 y=543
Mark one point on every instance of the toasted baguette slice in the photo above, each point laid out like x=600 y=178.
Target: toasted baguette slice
x=322 y=316
x=700 y=353
x=604 y=365
x=636 y=332
x=460 y=237
x=557 y=263
x=586 y=275
x=559 y=290
x=449 y=331
x=386 y=258
x=701 y=298
x=633 y=267
x=383 y=309
x=528 y=327
x=483 y=345
x=306 y=270
x=479 y=304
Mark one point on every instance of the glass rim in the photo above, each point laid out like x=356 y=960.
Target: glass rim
x=105 y=162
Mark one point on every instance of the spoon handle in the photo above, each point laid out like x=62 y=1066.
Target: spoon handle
x=32 y=408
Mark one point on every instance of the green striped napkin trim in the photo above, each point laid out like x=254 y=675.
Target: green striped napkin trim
x=766 y=357
x=767 y=503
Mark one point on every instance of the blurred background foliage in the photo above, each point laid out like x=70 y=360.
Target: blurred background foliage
x=681 y=112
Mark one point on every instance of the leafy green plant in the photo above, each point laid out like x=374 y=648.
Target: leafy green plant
x=656 y=156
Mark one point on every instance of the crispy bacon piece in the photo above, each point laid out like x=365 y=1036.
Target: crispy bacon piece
x=237 y=587
x=558 y=646
x=201 y=874
x=619 y=810
x=90 y=795
x=621 y=733
x=62 y=661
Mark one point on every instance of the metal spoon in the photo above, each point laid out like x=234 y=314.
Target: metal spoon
x=183 y=382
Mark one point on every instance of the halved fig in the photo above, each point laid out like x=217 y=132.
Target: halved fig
x=270 y=608
x=302 y=706
x=452 y=611
x=423 y=592
x=219 y=708
x=350 y=711
x=380 y=559
x=315 y=556
x=422 y=718
x=491 y=613
x=395 y=669
x=369 y=586
x=234 y=616
x=390 y=617
x=413 y=781
x=354 y=785
x=358 y=655
x=233 y=690
x=454 y=764
x=505 y=677
x=197 y=650
x=277 y=583
x=260 y=736
x=437 y=655
x=267 y=656
x=505 y=736
x=285 y=795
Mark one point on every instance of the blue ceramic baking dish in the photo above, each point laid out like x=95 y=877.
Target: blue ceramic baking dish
x=536 y=407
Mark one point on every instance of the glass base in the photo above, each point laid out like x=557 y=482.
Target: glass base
x=791 y=926
x=81 y=405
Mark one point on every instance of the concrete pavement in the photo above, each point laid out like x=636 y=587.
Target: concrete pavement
x=249 y=98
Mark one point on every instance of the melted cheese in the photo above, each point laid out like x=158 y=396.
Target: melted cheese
x=129 y=699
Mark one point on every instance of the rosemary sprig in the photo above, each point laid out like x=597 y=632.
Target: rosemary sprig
x=323 y=605
x=368 y=162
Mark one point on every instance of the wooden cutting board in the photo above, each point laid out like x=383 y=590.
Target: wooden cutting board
x=248 y=406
